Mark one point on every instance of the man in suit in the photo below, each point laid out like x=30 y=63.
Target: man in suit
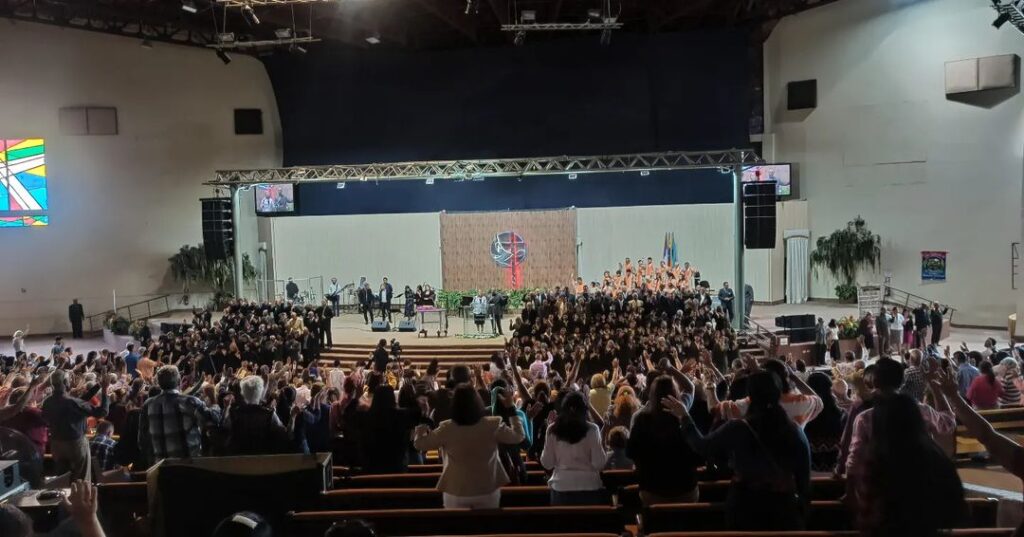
x=365 y=295
x=326 y=312
x=726 y=297
x=76 y=314
x=497 y=303
x=386 y=293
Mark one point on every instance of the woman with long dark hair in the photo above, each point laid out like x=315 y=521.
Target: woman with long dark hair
x=769 y=455
x=295 y=418
x=825 y=431
x=575 y=454
x=472 y=476
x=908 y=486
x=985 y=390
x=385 y=431
x=666 y=467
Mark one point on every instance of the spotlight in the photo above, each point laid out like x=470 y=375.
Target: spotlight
x=606 y=37
x=572 y=176
x=250 y=15
x=373 y=39
x=340 y=186
x=224 y=57
x=527 y=15
x=283 y=33
x=146 y=44
x=226 y=37
x=189 y=6
x=472 y=7
x=594 y=14
x=430 y=180
x=1001 y=20
x=296 y=49
x=519 y=38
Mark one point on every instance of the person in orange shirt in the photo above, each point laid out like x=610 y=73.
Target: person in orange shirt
x=650 y=267
x=627 y=268
x=580 y=287
x=688 y=275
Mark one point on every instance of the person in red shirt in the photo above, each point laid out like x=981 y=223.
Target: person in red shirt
x=985 y=389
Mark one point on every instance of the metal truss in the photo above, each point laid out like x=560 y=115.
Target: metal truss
x=229 y=45
x=258 y=3
x=479 y=169
x=560 y=26
x=163 y=24
x=1011 y=10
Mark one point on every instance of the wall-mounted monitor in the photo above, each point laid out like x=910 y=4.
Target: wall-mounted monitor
x=275 y=199
x=780 y=173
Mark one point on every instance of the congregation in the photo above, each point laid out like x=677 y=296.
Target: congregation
x=628 y=375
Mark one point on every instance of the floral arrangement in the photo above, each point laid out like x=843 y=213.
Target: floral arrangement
x=848 y=327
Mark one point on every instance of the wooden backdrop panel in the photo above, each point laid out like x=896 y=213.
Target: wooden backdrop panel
x=466 y=238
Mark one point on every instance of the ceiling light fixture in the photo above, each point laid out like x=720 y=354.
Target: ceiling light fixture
x=373 y=39
x=250 y=15
x=189 y=6
x=1001 y=20
x=296 y=49
x=224 y=57
x=527 y=15
x=283 y=33
x=226 y=37
x=519 y=38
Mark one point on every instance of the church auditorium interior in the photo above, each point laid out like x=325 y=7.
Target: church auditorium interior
x=570 y=268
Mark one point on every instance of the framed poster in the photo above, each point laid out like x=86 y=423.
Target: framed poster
x=933 y=266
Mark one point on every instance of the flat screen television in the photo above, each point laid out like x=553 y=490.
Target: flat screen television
x=780 y=173
x=275 y=199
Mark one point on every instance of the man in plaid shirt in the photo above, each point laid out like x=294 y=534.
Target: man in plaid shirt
x=101 y=447
x=170 y=423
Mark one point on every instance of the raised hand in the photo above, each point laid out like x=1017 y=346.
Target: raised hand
x=675 y=407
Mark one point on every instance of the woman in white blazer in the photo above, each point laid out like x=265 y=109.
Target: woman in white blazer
x=473 y=475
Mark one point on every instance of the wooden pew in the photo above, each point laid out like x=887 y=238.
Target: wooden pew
x=399 y=481
x=973 y=532
x=422 y=498
x=120 y=504
x=822 y=488
x=1009 y=421
x=407 y=522
x=822 y=516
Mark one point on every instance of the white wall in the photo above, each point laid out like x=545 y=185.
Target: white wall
x=405 y=248
x=119 y=205
x=926 y=173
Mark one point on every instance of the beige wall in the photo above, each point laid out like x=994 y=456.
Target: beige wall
x=884 y=142
x=119 y=205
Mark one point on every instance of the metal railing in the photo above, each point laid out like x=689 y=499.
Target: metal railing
x=764 y=338
x=133 y=312
x=899 y=297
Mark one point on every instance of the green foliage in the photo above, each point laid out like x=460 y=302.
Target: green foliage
x=848 y=327
x=190 y=266
x=135 y=329
x=844 y=252
x=452 y=300
x=117 y=324
x=846 y=292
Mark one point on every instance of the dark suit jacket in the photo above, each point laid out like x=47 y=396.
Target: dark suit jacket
x=76 y=312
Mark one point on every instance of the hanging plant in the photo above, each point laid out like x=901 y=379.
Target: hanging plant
x=846 y=251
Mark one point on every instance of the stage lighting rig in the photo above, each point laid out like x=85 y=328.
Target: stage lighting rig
x=602 y=19
x=250 y=15
x=1009 y=11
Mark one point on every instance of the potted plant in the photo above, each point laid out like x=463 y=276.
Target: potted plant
x=846 y=251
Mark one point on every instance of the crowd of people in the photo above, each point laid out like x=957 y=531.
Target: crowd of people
x=628 y=375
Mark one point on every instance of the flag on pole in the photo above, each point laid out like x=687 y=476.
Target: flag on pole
x=668 y=253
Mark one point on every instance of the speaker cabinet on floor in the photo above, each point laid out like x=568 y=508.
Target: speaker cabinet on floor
x=759 y=215
x=218 y=230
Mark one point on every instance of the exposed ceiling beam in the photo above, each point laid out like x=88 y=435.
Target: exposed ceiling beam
x=459 y=21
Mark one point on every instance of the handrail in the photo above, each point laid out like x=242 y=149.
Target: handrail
x=907 y=299
x=762 y=337
x=128 y=309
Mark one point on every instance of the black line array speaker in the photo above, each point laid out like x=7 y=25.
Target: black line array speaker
x=218 y=230
x=802 y=94
x=248 y=121
x=800 y=328
x=759 y=215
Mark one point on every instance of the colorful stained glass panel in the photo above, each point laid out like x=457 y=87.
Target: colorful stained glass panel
x=23 y=181
x=24 y=221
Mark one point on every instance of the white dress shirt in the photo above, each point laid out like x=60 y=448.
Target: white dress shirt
x=576 y=466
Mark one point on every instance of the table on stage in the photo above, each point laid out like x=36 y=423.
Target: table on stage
x=426 y=312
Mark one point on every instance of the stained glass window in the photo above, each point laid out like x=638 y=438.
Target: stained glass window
x=23 y=196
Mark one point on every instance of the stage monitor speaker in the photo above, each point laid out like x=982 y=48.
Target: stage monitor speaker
x=380 y=326
x=218 y=230
x=759 y=215
x=405 y=325
x=802 y=95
